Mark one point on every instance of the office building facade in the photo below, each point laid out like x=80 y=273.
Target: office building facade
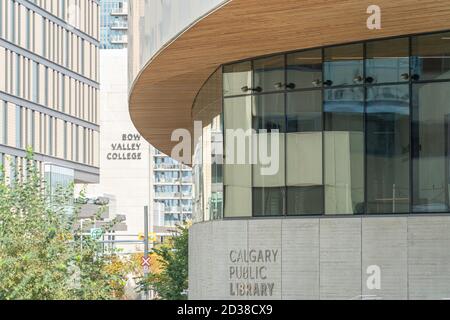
x=49 y=85
x=319 y=142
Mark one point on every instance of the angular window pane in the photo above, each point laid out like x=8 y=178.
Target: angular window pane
x=431 y=145
x=269 y=167
x=304 y=200
x=387 y=61
x=387 y=129
x=236 y=78
x=304 y=111
x=237 y=168
x=344 y=65
x=344 y=151
x=269 y=112
x=269 y=73
x=304 y=69
x=268 y=202
x=304 y=159
x=431 y=56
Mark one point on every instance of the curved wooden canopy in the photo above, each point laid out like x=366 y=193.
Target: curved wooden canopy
x=162 y=95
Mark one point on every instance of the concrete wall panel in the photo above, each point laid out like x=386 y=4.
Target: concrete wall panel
x=340 y=258
x=300 y=263
x=429 y=257
x=384 y=246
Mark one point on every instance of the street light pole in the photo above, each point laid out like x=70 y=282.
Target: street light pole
x=146 y=271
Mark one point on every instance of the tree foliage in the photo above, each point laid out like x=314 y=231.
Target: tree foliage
x=43 y=254
x=169 y=279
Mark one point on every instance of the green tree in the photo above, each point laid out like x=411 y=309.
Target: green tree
x=171 y=281
x=43 y=255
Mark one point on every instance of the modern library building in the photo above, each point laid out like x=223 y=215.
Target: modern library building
x=320 y=142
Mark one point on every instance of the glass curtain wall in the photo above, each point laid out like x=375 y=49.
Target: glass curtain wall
x=361 y=129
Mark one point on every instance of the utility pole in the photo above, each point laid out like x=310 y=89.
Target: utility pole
x=146 y=268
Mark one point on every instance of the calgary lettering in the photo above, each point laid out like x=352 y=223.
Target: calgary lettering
x=253 y=256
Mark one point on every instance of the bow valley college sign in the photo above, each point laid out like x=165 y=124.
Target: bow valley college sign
x=128 y=148
x=249 y=276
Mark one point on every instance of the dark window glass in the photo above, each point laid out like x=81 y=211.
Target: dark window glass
x=268 y=201
x=387 y=61
x=344 y=151
x=237 y=78
x=304 y=69
x=305 y=200
x=431 y=145
x=343 y=65
x=268 y=112
x=387 y=147
x=304 y=111
x=269 y=74
x=431 y=56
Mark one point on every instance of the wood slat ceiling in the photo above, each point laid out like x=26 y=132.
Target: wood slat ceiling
x=161 y=97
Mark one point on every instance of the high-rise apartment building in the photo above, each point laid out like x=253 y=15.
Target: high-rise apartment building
x=172 y=190
x=113 y=24
x=49 y=85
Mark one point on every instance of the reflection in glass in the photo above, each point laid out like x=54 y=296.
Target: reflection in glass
x=343 y=109
x=269 y=73
x=304 y=69
x=268 y=112
x=304 y=111
x=268 y=202
x=344 y=151
x=431 y=145
x=431 y=56
x=345 y=148
x=387 y=61
x=343 y=65
x=387 y=147
x=236 y=77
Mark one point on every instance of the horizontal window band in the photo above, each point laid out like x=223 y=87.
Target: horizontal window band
x=45 y=62
x=34 y=7
x=48 y=111
x=12 y=151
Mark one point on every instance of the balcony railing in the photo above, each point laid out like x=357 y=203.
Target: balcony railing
x=175 y=195
x=119 y=25
x=121 y=11
x=170 y=166
x=174 y=181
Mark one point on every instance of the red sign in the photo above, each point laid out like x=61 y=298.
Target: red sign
x=145 y=262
